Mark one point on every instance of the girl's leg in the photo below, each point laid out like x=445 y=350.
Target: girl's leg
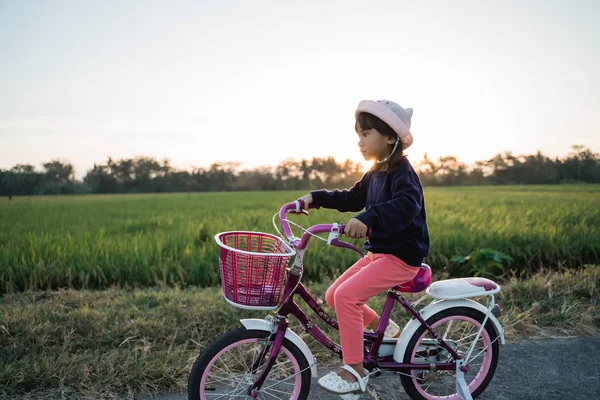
x=368 y=314
x=384 y=272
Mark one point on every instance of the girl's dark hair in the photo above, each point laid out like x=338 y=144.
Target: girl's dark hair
x=366 y=121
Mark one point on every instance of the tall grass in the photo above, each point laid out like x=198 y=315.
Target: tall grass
x=97 y=241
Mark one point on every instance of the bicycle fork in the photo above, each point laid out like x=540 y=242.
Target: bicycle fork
x=279 y=328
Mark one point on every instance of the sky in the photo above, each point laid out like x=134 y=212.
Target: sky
x=260 y=81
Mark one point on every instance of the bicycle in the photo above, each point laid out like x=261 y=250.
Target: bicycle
x=448 y=349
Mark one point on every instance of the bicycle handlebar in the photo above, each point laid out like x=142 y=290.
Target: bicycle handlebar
x=297 y=207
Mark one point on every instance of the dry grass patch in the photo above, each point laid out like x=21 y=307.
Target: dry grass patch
x=123 y=343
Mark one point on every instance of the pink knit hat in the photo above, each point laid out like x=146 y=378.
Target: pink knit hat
x=396 y=117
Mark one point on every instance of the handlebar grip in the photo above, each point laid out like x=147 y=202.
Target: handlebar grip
x=311 y=205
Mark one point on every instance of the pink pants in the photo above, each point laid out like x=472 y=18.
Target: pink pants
x=370 y=276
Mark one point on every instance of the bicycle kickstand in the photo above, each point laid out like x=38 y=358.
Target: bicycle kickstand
x=461 y=386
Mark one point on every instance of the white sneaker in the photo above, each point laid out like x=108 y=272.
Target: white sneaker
x=334 y=383
x=391 y=330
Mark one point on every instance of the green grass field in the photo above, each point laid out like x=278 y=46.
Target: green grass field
x=142 y=337
x=97 y=241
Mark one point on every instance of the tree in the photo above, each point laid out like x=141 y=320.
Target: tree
x=427 y=171
x=256 y=179
x=581 y=165
x=100 y=180
x=324 y=171
x=58 y=177
x=221 y=176
x=23 y=179
x=451 y=171
x=146 y=174
x=289 y=173
x=145 y=171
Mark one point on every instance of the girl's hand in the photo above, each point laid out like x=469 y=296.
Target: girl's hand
x=307 y=200
x=355 y=229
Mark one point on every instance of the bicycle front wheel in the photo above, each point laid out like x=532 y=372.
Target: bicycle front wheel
x=458 y=326
x=224 y=369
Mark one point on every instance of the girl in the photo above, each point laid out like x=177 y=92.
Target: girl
x=392 y=197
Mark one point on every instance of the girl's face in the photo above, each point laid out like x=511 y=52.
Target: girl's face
x=373 y=145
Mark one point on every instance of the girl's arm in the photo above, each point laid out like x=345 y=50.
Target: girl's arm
x=352 y=199
x=396 y=214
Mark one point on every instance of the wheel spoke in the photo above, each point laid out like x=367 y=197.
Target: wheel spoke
x=243 y=358
x=462 y=339
x=272 y=395
x=277 y=391
x=227 y=368
x=224 y=371
x=447 y=330
x=222 y=396
x=468 y=362
x=215 y=380
x=235 y=394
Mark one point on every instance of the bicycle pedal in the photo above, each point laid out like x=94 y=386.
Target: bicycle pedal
x=375 y=373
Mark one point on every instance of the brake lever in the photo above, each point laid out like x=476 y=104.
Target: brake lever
x=300 y=208
x=334 y=240
x=340 y=243
x=297 y=212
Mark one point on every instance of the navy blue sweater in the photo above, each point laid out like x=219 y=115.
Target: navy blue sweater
x=394 y=210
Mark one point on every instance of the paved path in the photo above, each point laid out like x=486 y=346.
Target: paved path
x=531 y=369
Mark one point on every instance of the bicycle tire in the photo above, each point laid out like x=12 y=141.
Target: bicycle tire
x=489 y=337
x=199 y=388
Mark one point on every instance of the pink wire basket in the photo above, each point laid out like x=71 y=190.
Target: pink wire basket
x=253 y=268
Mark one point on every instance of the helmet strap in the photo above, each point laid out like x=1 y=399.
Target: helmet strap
x=393 y=150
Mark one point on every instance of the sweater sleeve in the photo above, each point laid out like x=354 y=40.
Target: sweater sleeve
x=398 y=213
x=352 y=199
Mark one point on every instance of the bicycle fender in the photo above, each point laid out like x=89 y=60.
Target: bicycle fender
x=433 y=308
x=262 y=325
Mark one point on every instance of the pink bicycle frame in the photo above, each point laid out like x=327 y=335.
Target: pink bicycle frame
x=294 y=286
x=297 y=207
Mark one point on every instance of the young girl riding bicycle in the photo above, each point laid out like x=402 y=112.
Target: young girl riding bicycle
x=394 y=210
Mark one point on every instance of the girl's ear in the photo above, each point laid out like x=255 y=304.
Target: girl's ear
x=391 y=140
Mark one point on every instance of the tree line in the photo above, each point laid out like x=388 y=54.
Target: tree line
x=147 y=175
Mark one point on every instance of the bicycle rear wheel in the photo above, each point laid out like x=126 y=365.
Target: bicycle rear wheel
x=224 y=369
x=458 y=326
